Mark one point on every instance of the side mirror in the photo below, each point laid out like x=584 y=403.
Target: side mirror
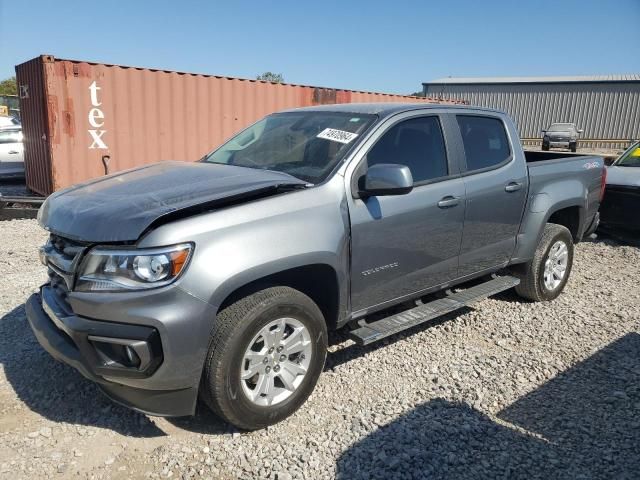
x=386 y=179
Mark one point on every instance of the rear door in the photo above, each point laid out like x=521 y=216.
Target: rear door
x=407 y=243
x=495 y=178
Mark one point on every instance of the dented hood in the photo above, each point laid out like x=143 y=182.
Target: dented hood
x=121 y=207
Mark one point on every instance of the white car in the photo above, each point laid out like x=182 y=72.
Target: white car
x=11 y=152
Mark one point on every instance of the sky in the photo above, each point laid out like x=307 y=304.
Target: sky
x=386 y=46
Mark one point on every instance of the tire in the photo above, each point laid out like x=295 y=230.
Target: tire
x=533 y=285
x=235 y=331
x=573 y=147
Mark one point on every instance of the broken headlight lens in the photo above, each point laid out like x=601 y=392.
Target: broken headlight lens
x=106 y=270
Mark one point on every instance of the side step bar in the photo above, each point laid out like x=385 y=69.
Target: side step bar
x=371 y=332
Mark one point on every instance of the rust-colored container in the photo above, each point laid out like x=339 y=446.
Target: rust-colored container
x=82 y=119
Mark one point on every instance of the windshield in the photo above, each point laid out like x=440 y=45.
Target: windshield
x=560 y=127
x=630 y=158
x=307 y=145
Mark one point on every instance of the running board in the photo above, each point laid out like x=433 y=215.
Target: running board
x=371 y=332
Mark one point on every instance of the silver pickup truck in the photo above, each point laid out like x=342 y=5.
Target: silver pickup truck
x=220 y=279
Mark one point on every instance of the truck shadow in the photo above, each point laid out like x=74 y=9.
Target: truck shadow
x=581 y=424
x=57 y=391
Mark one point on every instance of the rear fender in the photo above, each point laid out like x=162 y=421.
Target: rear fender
x=540 y=206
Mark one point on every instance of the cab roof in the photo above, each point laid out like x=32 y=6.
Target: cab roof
x=386 y=109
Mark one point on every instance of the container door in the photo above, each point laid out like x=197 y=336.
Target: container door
x=33 y=113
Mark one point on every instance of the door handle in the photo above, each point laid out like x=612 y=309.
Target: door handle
x=448 y=201
x=512 y=187
x=13 y=152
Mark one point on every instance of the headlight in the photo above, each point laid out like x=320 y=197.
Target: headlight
x=105 y=269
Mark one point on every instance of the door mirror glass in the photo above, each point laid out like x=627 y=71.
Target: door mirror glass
x=386 y=179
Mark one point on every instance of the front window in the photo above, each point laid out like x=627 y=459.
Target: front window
x=630 y=158
x=306 y=145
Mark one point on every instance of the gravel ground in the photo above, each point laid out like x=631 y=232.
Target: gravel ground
x=507 y=389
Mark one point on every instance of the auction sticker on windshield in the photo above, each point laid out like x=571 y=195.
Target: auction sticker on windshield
x=337 y=135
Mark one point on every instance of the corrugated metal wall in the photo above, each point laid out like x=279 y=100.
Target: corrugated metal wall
x=605 y=111
x=92 y=113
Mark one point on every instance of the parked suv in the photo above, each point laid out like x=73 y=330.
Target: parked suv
x=220 y=279
x=561 y=135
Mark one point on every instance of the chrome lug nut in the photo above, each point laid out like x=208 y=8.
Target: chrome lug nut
x=267 y=369
x=276 y=368
x=265 y=360
x=283 y=358
x=280 y=348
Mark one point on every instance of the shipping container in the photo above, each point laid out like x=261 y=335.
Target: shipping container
x=82 y=119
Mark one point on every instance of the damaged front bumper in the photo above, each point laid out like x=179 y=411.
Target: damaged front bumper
x=137 y=365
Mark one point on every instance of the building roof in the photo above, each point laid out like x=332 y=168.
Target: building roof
x=633 y=77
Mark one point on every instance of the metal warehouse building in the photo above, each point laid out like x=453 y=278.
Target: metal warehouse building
x=607 y=107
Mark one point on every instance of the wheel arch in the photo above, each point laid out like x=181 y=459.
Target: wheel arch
x=320 y=281
x=570 y=213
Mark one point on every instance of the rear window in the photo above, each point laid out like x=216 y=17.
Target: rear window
x=485 y=141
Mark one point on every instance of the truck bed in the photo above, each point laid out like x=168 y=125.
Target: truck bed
x=532 y=156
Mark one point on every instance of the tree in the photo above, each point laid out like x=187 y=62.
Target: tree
x=9 y=86
x=271 y=77
x=417 y=94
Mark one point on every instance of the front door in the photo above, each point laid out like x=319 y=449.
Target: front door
x=403 y=244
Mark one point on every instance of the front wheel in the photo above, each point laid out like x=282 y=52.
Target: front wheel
x=544 y=277
x=266 y=353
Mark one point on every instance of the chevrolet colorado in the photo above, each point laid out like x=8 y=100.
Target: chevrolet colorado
x=220 y=279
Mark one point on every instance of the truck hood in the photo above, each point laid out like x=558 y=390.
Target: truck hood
x=121 y=207
x=626 y=176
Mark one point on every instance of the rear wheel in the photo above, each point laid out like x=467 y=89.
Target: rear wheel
x=266 y=353
x=544 y=277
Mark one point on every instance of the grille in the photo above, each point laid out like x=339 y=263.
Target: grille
x=64 y=247
x=59 y=286
x=62 y=255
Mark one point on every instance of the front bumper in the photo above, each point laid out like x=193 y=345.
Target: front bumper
x=558 y=143
x=620 y=206
x=160 y=388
